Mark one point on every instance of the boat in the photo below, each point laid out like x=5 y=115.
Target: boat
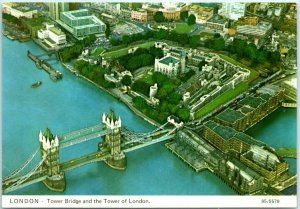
x=35 y=85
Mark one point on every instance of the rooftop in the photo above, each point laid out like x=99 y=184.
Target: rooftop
x=292 y=82
x=230 y=115
x=227 y=133
x=22 y=8
x=169 y=59
x=217 y=19
x=47 y=133
x=251 y=101
x=56 y=31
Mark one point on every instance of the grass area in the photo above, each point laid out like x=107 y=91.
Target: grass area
x=206 y=35
x=148 y=79
x=287 y=152
x=253 y=75
x=124 y=51
x=97 y=51
x=183 y=28
x=223 y=98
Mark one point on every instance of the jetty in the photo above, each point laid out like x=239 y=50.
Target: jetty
x=43 y=64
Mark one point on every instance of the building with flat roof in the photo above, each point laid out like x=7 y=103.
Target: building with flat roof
x=216 y=24
x=265 y=162
x=248 y=20
x=259 y=30
x=81 y=23
x=227 y=139
x=233 y=11
x=252 y=108
x=202 y=14
x=142 y=15
x=52 y=36
x=290 y=87
x=18 y=10
x=168 y=65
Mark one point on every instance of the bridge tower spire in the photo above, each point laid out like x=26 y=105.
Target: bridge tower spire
x=117 y=159
x=49 y=147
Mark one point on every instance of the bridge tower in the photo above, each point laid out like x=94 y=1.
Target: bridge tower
x=117 y=159
x=49 y=147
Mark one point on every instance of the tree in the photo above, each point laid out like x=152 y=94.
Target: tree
x=161 y=34
x=194 y=41
x=191 y=19
x=107 y=31
x=126 y=80
x=183 y=114
x=183 y=39
x=217 y=44
x=159 y=17
x=274 y=57
x=184 y=15
x=156 y=52
x=251 y=51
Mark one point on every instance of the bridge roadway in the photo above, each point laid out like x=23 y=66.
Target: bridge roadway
x=101 y=155
x=37 y=177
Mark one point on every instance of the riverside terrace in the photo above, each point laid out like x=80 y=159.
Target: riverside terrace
x=252 y=108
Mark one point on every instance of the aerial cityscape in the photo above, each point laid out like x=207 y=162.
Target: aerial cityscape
x=200 y=96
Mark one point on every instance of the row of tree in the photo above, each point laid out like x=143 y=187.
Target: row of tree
x=93 y=72
x=141 y=57
x=248 y=50
x=72 y=52
x=182 y=38
x=190 y=19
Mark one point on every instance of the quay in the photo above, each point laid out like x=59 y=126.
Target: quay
x=187 y=155
x=43 y=64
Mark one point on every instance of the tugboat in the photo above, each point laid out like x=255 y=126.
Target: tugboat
x=35 y=85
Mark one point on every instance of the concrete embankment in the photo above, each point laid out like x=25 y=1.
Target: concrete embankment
x=129 y=105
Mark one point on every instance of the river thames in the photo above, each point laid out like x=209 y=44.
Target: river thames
x=74 y=103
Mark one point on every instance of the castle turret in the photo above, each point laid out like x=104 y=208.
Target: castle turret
x=49 y=147
x=112 y=141
x=153 y=90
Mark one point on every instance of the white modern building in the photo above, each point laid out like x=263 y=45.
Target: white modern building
x=18 y=10
x=233 y=11
x=81 y=23
x=52 y=36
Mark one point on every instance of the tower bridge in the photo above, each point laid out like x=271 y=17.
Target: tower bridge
x=48 y=168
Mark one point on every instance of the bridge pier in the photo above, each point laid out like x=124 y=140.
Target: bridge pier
x=117 y=159
x=49 y=147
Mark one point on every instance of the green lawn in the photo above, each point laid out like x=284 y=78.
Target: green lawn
x=183 y=28
x=124 y=51
x=97 y=51
x=253 y=75
x=223 y=98
x=206 y=35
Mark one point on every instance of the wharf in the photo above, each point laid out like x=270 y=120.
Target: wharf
x=42 y=64
x=188 y=155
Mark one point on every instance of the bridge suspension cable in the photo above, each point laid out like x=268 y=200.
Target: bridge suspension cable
x=129 y=133
x=28 y=175
x=18 y=170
